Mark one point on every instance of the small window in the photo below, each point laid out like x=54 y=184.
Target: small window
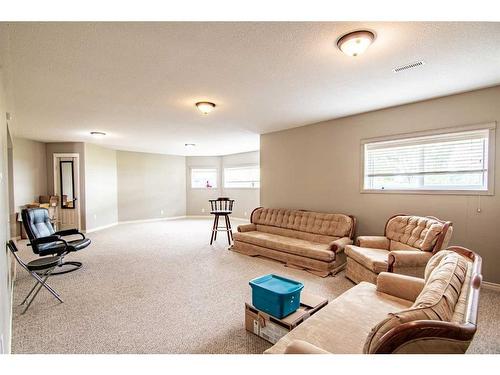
x=242 y=177
x=203 y=178
x=448 y=162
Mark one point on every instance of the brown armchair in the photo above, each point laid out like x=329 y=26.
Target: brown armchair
x=405 y=248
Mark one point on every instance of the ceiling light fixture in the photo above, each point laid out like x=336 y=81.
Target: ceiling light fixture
x=189 y=145
x=356 y=42
x=98 y=134
x=205 y=107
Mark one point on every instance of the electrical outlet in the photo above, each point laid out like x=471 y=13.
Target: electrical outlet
x=246 y=213
x=161 y=212
x=203 y=210
x=95 y=216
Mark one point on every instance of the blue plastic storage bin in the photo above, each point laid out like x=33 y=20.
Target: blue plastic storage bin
x=276 y=295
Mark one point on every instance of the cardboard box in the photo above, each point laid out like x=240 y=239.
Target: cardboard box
x=272 y=329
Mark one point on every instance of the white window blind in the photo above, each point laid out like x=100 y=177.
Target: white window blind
x=451 y=161
x=203 y=178
x=242 y=177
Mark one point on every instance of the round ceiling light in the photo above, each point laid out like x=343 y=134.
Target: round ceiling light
x=98 y=134
x=356 y=42
x=205 y=107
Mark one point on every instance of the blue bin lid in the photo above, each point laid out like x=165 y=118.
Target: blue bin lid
x=277 y=284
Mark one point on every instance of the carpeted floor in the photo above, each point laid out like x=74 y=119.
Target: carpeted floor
x=160 y=288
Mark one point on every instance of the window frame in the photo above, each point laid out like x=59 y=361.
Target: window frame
x=203 y=167
x=238 y=166
x=491 y=127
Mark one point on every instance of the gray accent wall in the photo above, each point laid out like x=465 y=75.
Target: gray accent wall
x=101 y=189
x=150 y=186
x=29 y=171
x=317 y=167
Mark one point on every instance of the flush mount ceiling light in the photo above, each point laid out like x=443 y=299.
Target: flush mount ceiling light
x=98 y=134
x=356 y=42
x=205 y=107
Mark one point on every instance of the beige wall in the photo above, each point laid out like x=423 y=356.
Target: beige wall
x=5 y=275
x=317 y=167
x=245 y=200
x=197 y=199
x=29 y=171
x=150 y=186
x=68 y=147
x=101 y=189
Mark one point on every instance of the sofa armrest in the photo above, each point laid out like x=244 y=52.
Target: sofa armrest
x=247 y=227
x=339 y=244
x=408 y=259
x=303 y=347
x=401 y=286
x=373 y=242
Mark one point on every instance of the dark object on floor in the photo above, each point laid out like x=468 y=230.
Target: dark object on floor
x=40 y=269
x=221 y=207
x=45 y=241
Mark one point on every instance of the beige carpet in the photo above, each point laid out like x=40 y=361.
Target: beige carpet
x=160 y=288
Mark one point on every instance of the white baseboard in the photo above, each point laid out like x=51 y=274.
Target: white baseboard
x=491 y=286
x=210 y=216
x=100 y=228
x=152 y=220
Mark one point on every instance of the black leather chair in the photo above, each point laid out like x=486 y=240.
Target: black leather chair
x=45 y=241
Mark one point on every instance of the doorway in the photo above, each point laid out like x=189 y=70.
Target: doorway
x=67 y=189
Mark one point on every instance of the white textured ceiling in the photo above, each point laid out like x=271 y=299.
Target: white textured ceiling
x=139 y=81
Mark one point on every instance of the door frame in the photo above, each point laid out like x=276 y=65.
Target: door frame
x=76 y=166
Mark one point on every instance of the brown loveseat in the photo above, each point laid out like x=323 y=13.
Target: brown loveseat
x=406 y=246
x=401 y=314
x=309 y=240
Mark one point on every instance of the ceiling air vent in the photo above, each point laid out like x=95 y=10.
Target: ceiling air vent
x=408 y=66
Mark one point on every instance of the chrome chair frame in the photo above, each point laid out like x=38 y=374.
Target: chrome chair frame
x=40 y=272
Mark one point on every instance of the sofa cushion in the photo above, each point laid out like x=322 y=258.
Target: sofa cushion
x=376 y=260
x=295 y=246
x=436 y=301
x=320 y=238
x=337 y=225
x=415 y=231
x=342 y=326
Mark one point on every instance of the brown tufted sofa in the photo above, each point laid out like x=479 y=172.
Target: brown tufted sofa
x=309 y=240
x=406 y=246
x=400 y=314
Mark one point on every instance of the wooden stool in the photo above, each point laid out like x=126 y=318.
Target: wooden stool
x=221 y=207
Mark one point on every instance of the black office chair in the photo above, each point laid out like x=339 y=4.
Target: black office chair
x=45 y=241
x=40 y=269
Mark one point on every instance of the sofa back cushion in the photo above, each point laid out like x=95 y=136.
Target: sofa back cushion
x=336 y=225
x=415 y=231
x=437 y=301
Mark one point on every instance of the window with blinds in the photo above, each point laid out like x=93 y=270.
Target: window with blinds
x=242 y=177
x=456 y=161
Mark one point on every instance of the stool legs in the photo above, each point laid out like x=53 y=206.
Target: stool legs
x=227 y=228
x=214 y=229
